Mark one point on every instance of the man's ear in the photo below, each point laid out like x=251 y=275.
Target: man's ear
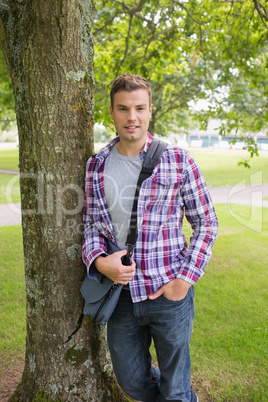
x=151 y=109
x=111 y=112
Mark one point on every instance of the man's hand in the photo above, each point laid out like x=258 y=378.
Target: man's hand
x=112 y=267
x=174 y=290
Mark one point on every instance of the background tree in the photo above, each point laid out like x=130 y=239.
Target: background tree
x=213 y=50
x=236 y=45
x=49 y=52
x=152 y=39
x=7 y=107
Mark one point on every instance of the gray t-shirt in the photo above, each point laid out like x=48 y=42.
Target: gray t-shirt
x=120 y=181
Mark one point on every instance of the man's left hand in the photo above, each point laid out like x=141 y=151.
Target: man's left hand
x=174 y=290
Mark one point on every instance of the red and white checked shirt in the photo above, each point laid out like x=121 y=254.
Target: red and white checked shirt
x=175 y=188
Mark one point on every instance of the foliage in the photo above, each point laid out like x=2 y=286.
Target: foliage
x=236 y=46
x=100 y=134
x=7 y=106
x=189 y=51
x=153 y=39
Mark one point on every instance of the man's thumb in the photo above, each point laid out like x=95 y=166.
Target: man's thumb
x=158 y=293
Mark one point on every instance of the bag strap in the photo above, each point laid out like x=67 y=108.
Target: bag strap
x=151 y=159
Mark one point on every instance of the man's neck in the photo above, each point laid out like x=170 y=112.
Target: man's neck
x=129 y=149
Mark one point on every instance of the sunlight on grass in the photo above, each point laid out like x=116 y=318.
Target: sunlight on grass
x=9 y=159
x=12 y=294
x=229 y=342
x=220 y=166
x=9 y=188
x=9 y=185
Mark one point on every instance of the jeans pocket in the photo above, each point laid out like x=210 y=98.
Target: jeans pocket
x=174 y=301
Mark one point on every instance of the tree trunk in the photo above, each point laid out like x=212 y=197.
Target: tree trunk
x=152 y=125
x=49 y=52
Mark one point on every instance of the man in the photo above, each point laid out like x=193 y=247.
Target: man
x=157 y=300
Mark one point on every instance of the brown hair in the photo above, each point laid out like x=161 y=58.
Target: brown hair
x=129 y=83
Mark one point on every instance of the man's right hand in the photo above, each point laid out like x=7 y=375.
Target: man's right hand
x=112 y=267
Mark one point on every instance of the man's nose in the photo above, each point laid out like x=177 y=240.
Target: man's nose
x=132 y=114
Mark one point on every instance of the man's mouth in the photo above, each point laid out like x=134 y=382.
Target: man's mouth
x=131 y=127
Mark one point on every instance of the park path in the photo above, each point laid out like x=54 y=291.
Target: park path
x=253 y=195
x=10 y=214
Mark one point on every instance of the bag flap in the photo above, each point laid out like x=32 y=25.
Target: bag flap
x=92 y=291
x=111 y=247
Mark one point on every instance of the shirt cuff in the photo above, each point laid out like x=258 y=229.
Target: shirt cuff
x=92 y=271
x=190 y=274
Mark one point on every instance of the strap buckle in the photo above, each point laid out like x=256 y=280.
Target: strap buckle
x=129 y=249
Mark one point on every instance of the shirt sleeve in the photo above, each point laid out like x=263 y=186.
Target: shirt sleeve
x=200 y=213
x=94 y=244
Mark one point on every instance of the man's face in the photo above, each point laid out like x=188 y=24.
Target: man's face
x=131 y=113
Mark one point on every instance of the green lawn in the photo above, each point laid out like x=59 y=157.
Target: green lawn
x=9 y=184
x=220 y=166
x=229 y=342
x=9 y=188
x=9 y=159
x=12 y=295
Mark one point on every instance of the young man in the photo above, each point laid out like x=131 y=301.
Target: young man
x=157 y=301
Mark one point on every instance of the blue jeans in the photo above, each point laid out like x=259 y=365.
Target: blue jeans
x=130 y=331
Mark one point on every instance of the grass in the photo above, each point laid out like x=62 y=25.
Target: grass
x=9 y=184
x=12 y=296
x=218 y=166
x=229 y=342
x=9 y=159
x=9 y=188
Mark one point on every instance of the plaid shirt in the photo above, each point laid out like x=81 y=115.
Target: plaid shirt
x=175 y=188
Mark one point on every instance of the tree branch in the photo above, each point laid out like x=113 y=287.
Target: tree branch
x=133 y=10
x=181 y=5
x=163 y=109
x=126 y=48
x=263 y=13
x=108 y=22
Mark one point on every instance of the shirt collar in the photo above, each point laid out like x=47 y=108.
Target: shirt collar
x=147 y=145
x=104 y=152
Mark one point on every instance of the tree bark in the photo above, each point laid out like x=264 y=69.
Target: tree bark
x=49 y=51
